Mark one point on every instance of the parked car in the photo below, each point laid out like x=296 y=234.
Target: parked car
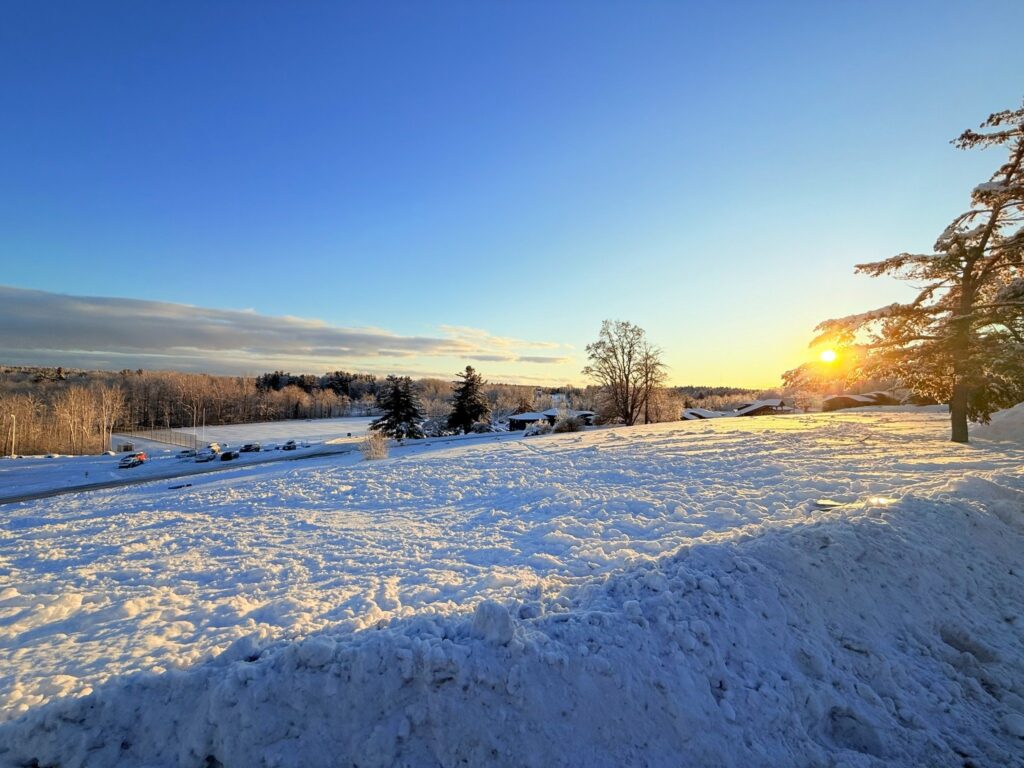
x=131 y=460
x=251 y=448
x=205 y=455
x=188 y=453
x=228 y=455
x=289 y=446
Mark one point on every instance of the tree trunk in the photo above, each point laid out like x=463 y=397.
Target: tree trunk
x=961 y=348
x=958 y=413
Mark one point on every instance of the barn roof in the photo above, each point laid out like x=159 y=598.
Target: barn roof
x=771 y=402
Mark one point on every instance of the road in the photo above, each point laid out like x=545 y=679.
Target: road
x=188 y=470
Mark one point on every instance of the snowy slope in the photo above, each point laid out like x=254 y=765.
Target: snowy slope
x=673 y=597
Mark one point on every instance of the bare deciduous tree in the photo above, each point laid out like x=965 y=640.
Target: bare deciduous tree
x=111 y=409
x=627 y=367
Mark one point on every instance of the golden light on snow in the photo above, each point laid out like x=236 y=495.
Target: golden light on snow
x=879 y=501
x=828 y=356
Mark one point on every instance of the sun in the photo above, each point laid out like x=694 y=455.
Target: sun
x=828 y=356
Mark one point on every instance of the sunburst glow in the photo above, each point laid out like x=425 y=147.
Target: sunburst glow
x=828 y=356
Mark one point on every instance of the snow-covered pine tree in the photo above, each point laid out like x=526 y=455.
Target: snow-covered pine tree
x=401 y=416
x=961 y=340
x=468 y=404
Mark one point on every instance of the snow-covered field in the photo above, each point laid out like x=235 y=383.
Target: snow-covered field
x=661 y=595
x=311 y=430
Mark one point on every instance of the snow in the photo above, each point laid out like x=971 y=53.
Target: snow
x=1012 y=291
x=955 y=233
x=906 y=408
x=692 y=414
x=772 y=402
x=320 y=430
x=529 y=416
x=1007 y=425
x=36 y=474
x=863 y=318
x=612 y=597
x=32 y=474
x=40 y=474
x=568 y=412
x=990 y=186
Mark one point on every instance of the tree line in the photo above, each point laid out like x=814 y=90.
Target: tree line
x=69 y=411
x=59 y=410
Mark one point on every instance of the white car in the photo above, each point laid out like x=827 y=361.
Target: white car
x=132 y=460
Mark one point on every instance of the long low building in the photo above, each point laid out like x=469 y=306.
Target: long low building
x=551 y=415
x=756 y=408
x=839 y=402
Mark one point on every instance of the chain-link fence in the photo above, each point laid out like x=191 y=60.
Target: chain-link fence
x=169 y=436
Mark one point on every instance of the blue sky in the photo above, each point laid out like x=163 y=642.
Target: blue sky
x=505 y=175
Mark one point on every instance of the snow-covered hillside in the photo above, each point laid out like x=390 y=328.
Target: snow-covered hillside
x=662 y=595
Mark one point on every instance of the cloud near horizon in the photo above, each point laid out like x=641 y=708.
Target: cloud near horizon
x=43 y=328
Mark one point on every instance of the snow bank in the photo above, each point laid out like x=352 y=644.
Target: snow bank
x=1005 y=426
x=877 y=636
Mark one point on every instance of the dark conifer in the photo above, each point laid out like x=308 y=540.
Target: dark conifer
x=469 y=404
x=401 y=416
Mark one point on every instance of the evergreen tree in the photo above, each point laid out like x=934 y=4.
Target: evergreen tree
x=523 y=405
x=401 y=416
x=961 y=340
x=468 y=405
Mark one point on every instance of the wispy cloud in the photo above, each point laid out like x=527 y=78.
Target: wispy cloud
x=543 y=359
x=485 y=339
x=38 y=327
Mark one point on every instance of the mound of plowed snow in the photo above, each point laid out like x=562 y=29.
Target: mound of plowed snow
x=1005 y=426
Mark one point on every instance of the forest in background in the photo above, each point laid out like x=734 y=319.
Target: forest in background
x=76 y=411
